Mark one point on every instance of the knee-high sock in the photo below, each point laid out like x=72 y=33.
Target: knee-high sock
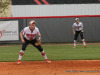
x=21 y=54
x=74 y=42
x=83 y=42
x=44 y=55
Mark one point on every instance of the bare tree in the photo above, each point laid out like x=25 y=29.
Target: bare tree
x=3 y=6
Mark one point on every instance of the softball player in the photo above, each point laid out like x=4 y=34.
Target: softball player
x=30 y=33
x=78 y=29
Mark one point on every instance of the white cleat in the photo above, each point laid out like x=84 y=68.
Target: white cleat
x=85 y=46
x=73 y=46
x=48 y=61
x=19 y=61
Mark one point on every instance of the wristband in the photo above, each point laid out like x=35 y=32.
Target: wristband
x=39 y=37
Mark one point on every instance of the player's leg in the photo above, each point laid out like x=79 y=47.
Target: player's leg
x=75 y=38
x=40 y=49
x=84 y=43
x=24 y=45
x=83 y=40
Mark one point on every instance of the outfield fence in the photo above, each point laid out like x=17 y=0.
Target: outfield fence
x=56 y=29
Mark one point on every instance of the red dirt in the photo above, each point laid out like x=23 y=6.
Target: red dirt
x=53 y=68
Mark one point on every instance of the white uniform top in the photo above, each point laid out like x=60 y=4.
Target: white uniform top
x=30 y=35
x=78 y=27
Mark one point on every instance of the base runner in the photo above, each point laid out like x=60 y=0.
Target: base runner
x=78 y=29
x=30 y=33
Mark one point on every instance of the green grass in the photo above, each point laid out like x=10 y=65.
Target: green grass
x=59 y=52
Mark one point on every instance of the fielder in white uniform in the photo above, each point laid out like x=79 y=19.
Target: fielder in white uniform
x=78 y=29
x=30 y=33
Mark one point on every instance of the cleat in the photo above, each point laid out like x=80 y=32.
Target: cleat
x=48 y=61
x=73 y=46
x=85 y=46
x=19 y=61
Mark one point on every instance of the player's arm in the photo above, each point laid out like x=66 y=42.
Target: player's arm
x=39 y=35
x=39 y=39
x=82 y=27
x=73 y=31
x=21 y=36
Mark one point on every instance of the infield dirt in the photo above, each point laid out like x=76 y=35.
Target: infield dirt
x=67 y=67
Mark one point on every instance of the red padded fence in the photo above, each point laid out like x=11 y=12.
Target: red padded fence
x=50 y=17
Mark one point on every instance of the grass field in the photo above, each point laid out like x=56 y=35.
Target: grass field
x=53 y=52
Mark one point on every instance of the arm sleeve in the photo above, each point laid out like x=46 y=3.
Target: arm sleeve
x=23 y=31
x=38 y=32
x=73 y=26
x=82 y=25
x=39 y=35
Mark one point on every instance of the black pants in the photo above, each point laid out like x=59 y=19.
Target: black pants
x=77 y=33
x=24 y=45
